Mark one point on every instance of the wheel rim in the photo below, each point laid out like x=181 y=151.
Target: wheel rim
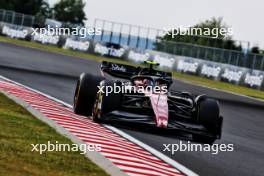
x=97 y=106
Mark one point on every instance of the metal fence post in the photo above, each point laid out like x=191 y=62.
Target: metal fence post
x=237 y=59
x=262 y=64
x=174 y=48
x=213 y=57
x=102 y=34
x=13 y=17
x=120 y=34
x=229 y=57
x=147 y=39
x=191 y=51
x=157 y=38
x=129 y=35
x=205 y=54
x=94 y=26
x=111 y=33
x=4 y=14
x=138 y=38
x=198 y=53
x=254 y=61
x=164 y=47
x=222 y=55
x=182 y=51
x=32 y=20
x=22 y=20
x=95 y=21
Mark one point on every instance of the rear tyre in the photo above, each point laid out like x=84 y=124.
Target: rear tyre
x=208 y=116
x=85 y=93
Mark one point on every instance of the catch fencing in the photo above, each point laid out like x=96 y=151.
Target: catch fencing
x=142 y=38
x=16 y=18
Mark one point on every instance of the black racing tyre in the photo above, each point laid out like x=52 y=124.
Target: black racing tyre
x=208 y=113
x=111 y=101
x=208 y=116
x=85 y=93
x=106 y=101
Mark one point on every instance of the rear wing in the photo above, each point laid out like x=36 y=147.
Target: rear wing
x=119 y=70
x=127 y=71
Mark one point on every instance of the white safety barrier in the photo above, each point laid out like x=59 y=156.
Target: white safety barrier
x=76 y=45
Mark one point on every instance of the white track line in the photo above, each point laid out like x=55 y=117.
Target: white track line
x=160 y=155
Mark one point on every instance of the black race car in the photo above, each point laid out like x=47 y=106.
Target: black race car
x=140 y=95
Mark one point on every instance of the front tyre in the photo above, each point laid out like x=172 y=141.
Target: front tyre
x=106 y=101
x=85 y=93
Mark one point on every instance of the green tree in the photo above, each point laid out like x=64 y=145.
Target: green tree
x=214 y=38
x=44 y=12
x=255 y=49
x=30 y=7
x=70 y=11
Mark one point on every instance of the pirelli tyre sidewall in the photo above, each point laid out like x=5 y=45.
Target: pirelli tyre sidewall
x=85 y=93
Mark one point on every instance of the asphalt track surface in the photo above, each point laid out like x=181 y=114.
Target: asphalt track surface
x=56 y=75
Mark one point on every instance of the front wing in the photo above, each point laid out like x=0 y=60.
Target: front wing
x=132 y=119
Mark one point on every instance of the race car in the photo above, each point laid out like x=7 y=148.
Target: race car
x=129 y=94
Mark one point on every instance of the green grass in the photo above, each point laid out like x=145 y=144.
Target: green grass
x=189 y=78
x=220 y=85
x=18 y=130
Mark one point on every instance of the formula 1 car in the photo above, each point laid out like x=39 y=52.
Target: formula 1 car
x=131 y=98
